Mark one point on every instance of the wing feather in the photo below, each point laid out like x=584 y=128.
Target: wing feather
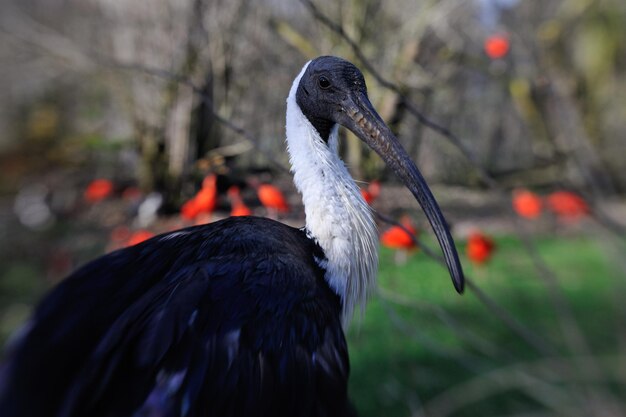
x=222 y=320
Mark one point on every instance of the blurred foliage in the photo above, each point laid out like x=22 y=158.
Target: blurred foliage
x=548 y=112
x=406 y=356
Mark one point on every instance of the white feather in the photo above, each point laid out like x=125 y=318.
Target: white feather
x=337 y=216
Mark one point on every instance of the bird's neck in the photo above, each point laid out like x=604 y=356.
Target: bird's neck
x=337 y=216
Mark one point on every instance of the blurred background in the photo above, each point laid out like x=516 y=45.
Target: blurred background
x=122 y=119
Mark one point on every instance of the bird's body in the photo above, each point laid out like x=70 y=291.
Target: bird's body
x=242 y=317
x=248 y=327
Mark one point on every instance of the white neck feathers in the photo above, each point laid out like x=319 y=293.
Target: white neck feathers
x=337 y=216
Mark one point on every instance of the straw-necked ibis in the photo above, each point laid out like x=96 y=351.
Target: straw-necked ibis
x=240 y=317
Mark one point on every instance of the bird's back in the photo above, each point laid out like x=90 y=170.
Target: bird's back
x=233 y=318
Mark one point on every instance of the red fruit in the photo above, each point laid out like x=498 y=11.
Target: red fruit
x=527 y=204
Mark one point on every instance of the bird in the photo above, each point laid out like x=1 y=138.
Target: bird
x=526 y=203
x=497 y=46
x=138 y=237
x=272 y=199
x=238 y=207
x=402 y=239
x=204 y=202
x=567 y=206
x=397 y=237
x=98 y=190
x=372 y=191
x=479 y=248
x=244 y=316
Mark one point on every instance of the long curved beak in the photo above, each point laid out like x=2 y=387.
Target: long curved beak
x=360 y=117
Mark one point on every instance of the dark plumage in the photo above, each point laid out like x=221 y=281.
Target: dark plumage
x=241 y=317
x=232 y=318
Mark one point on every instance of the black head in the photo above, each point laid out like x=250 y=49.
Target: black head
x=324 y=88
x=332 y=90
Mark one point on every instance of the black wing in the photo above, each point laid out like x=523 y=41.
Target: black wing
x=233 y=318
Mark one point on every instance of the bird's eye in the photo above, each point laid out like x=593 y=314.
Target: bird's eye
x=323 y=82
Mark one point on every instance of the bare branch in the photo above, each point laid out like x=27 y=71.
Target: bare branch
x=157 y=72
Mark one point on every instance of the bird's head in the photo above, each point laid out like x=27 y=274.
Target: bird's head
x=332 y=91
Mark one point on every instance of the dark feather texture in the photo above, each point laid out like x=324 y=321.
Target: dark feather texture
x=233 y=318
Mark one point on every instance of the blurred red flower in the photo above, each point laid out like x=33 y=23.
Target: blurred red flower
x=567 y=205
x=98 y=190
x=527 y=204
x=396 y=238
x=496 y=46
x=479 y=248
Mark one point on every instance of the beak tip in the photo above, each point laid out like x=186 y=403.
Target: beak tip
x=455 y=269
x=459 y=285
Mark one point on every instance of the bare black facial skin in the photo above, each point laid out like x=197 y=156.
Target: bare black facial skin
x=325 y=85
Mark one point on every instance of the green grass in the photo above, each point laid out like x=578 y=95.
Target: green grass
x=420 y=340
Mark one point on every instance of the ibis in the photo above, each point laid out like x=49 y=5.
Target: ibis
x=238 y=207
x=272 y=199
x=241 y=317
